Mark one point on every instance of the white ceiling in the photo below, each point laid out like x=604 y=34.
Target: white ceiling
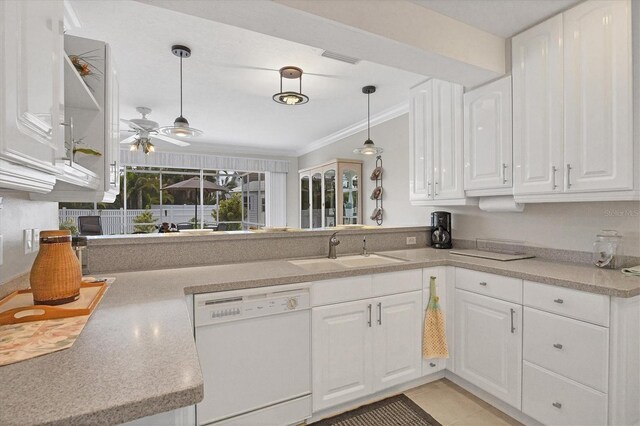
x=227 y=91
x=503 y=18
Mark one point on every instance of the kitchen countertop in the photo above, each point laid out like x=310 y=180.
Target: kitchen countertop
x=137 y=357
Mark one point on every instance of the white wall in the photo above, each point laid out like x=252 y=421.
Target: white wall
x=19 y=213
x=393 y=137
x=570 y=226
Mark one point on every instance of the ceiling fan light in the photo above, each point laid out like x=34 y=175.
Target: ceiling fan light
x=133 y=146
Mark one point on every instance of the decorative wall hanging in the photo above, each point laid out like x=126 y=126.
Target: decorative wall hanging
x=376 y=194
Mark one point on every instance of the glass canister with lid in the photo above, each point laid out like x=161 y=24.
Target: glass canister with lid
x=607 y=249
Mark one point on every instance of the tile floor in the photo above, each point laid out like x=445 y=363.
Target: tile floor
x=449 y=404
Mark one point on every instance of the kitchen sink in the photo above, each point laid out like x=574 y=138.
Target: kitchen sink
x=354 y=261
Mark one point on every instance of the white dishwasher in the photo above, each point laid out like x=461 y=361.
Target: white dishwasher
x=254 y=347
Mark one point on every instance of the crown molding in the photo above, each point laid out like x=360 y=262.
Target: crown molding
x=381 y=117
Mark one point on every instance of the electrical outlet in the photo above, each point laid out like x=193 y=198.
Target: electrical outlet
x=35 y=246
x=411 y=240
x=28 y=241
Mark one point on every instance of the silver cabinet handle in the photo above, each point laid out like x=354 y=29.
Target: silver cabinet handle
x=557 y=405
x=428 y=189
x=369 y=309
x=504 y=172
x=482 y=283
x=513 y=328
x=435 y=189
x=559 y=301
x=557 y=345
x=432 y=364
x=554 y=169
x=379 y=313
x=569 y=176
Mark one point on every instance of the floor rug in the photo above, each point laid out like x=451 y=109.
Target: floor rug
x=397 y=410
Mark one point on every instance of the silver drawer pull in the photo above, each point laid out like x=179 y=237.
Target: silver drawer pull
x=431 y=364
x=557 y=405
x=560 y=301
x=483 y=283
x=557 y=345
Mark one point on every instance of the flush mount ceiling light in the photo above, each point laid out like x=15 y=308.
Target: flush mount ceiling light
x=180 y=126
x=368 y=148
x=291 y=98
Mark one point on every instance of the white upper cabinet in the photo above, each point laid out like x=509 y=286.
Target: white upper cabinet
x=435 y=153
x=31 y=95
x=487 y=138
x=537 y=108
x=598 y=125
x=573 y=106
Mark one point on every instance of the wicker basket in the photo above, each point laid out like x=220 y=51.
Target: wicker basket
x=56 y=273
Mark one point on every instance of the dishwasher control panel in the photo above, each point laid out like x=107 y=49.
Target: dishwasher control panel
x=220 y=307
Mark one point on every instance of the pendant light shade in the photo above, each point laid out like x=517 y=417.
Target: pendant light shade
x=289 y=97
x=180 y=126
x=368 y=148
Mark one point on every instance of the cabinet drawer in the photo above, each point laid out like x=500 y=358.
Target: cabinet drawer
x=568 y=302
x=555 y=400
x=574 y=349
x=397 y=282
x=497 y=286
x=340 y=290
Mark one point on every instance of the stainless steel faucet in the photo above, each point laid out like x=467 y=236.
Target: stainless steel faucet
x=333 y=242
x=365 y=253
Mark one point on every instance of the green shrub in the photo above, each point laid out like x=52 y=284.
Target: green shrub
x=145 y=218
x=70 y=225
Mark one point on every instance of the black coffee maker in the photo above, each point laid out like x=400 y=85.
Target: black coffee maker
x=441 y=230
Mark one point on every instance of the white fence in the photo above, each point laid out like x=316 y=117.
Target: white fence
x=117 y=222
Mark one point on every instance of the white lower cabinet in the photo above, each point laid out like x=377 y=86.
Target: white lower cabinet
x=488 y=341
x=365 y=346
x=430 y=366
x=341 y=353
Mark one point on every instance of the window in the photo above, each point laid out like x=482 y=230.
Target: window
x=155 y=199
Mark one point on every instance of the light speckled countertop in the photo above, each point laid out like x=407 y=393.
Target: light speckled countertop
x=137 y=357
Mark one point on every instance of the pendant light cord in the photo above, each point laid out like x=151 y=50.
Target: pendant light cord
x=180 y=86
x=368 y=117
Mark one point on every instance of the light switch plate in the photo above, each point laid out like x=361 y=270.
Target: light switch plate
x=411 y=240
x=28 y=240
x=35 y=246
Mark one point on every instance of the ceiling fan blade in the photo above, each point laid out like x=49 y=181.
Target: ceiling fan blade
x=170 y=140
x=129 y=139
x=132 y=124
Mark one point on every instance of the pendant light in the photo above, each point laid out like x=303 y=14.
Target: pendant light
x=368 y=148
x=180 y=126
x=289 y=97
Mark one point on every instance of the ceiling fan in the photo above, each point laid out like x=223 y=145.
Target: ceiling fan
x=145 y=130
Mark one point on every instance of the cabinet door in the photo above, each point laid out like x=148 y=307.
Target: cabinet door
x=430 y=366
x=598 y=97
x=329 y=195
x=487 y=136
x=397 y=349
x=31 y=96
x=350 y=193
x=305 y=201
x=489 y=345
x=421 y=142
x=448 y=174
x=316 y=199
x=341 y=353
x=112 y=129
x=537 y=74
